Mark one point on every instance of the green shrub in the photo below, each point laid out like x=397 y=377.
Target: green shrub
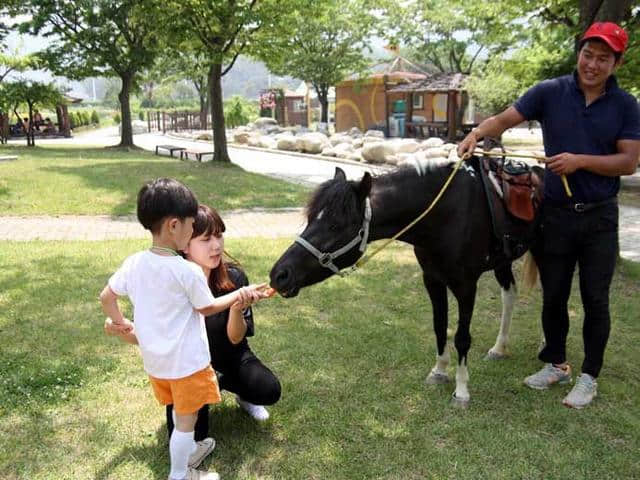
x=141 y=115
x=95 y=119
x=239 y=111
x=73 y=123
x=116 y=118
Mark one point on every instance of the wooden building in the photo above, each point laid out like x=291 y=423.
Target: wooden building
x=437 y=106
x=366 y=102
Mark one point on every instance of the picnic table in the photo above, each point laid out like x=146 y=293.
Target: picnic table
x=184 y=154
x=170 y=149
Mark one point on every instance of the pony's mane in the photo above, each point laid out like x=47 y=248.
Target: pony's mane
x=335 y=197
x=338 y=197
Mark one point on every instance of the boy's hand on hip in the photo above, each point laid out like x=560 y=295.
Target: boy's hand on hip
x=118 y=328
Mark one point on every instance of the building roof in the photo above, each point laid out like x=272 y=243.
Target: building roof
x=303 y=87
x=75 y=97
x=438 y=82
x=398 y=69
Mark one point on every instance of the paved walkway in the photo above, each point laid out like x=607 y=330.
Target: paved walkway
x=305 y=169
x=240 y=223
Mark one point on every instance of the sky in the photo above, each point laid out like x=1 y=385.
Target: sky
x=25 y=44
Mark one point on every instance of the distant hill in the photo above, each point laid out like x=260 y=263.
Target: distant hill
x=248 y=77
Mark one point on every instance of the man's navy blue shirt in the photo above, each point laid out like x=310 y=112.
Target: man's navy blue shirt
x=569 y=125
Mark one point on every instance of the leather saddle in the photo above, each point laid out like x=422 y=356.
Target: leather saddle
x=514 y=194
x=516 y=184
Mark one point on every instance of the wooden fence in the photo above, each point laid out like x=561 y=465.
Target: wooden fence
x=176 y=121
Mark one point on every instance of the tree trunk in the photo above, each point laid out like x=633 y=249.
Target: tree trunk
x=31 y=142
x=603 y=11
x=126 y=136
x=217 y=114
x=323 y=93
x=4 y=128
x=203 y=96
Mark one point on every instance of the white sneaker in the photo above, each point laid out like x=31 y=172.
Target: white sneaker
x=193 y=474
x=583 y=392
x=547 y=376
x=257 y=412
x=203 y=449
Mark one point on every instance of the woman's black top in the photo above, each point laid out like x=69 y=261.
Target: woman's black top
x=225 y=355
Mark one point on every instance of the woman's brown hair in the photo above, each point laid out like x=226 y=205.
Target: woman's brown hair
x=208 y=222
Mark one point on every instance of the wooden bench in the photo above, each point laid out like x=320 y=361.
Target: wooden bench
x=170 y=149
x=426 y=129
x=184 y=154
x=7 y=158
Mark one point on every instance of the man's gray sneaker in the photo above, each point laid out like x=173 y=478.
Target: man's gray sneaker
x=583 y=392
x=549 y=375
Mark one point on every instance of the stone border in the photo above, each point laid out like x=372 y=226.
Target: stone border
x=294 y=153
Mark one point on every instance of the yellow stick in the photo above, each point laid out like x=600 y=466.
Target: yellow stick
x=524 y=155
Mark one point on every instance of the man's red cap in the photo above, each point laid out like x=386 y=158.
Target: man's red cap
x=612 y=34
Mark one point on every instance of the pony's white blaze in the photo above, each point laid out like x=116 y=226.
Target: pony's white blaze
x=319 y=216
x=462 y=380
x=508 y=301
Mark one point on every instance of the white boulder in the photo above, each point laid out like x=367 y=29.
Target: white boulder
x=378 y=152
x=286 y=142
x=241 y=137
x=433 y=142
x=266 y=141
x=328 y=152
x=374 y=133
x=263 y=122
x=337 y=138
x=313 y=142
x=343 y=150
x=405 y=145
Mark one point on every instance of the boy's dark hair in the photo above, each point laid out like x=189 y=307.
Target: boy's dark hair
x=162 y=198
x=616 y=55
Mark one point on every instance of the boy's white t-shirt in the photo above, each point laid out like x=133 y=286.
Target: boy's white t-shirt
x=165 y=291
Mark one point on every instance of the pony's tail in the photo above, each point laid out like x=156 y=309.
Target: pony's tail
x=529 y=271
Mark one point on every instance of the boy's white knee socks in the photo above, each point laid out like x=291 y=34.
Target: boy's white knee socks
x=173 y=415
x=180 y=447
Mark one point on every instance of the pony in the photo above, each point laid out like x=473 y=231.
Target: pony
x=454 y=244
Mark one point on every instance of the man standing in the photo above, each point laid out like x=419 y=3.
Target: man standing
x=591 y=133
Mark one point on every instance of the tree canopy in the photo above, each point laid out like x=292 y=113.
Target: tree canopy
x=13 y=94
x=222 y=30
x=96 y=38
x=453 y=35
x=323 y=42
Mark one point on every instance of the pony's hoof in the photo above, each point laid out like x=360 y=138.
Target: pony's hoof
x=437 y=379
x=459 y=402
x=493 y=355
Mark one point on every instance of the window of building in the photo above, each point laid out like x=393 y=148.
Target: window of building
x=418 y=101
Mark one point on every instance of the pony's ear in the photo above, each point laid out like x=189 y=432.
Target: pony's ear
x=340 y=175
x=365 y=186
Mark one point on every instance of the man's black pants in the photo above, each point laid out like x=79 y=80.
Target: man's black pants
x=588 y=239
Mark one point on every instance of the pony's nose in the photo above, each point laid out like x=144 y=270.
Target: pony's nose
x=281 y=278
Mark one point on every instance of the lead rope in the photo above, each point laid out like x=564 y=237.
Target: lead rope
x=366 y=258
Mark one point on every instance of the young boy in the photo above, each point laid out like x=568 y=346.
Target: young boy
x=170 y=295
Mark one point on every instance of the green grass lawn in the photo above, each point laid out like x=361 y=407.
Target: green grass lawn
x=67 y=180
x=352 y=355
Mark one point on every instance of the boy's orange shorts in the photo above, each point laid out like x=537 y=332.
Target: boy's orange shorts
x=188 y=394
